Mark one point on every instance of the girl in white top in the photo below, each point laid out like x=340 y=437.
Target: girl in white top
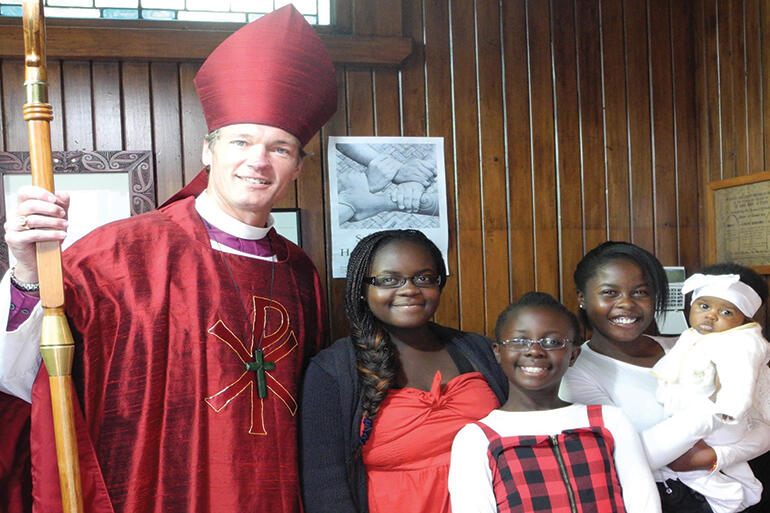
x=535 y=347
x=619 y=288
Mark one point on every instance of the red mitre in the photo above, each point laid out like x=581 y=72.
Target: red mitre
x=274 y=71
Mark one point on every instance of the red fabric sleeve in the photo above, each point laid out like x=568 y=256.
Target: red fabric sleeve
x=15 y=477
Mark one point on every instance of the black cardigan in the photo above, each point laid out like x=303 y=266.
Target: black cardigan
x=330 y=420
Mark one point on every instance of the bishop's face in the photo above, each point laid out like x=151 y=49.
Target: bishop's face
x=251 y=167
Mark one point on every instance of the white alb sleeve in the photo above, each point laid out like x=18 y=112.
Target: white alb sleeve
x=19 y=349
x=470 y=478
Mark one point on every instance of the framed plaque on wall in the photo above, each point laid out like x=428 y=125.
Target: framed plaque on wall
x=738 y=227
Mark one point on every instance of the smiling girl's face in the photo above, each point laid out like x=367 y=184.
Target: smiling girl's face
x=618 y=301
x=407 y=306
x=534 y=371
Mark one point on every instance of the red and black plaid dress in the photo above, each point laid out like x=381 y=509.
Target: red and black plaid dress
x=530 y=473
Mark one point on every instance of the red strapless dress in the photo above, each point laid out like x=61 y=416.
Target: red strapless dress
x=407 y=456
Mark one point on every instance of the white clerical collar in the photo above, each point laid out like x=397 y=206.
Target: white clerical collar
x=209 y=211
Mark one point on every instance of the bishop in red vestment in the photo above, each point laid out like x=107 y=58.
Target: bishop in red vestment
x=173 y=415
x=189 y=354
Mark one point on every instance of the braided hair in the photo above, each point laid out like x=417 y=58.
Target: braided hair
x=376 y=359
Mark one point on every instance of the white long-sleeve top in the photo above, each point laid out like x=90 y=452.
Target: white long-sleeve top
x=470 y=477
x=599 y=379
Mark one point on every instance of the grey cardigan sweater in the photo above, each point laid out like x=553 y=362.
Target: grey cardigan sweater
x=333 y=480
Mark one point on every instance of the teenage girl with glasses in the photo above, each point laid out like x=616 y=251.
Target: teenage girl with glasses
x=380 y=408
x=538 y=452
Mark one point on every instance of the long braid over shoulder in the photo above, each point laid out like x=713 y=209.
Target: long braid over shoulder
x=376 y=360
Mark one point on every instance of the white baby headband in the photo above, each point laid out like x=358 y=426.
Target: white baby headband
x=724 y=286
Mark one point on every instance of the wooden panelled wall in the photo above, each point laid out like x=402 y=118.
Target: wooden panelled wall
x=732 y=77
x=565 y=123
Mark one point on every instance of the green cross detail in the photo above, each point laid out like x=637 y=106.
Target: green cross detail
x=259 y=365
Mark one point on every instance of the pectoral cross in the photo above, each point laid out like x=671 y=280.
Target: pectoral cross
x=259 y=366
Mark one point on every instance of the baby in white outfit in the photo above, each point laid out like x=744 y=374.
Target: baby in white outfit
x=723 y=357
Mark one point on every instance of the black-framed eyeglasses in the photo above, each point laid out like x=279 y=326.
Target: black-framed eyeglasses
x=523 y=344
x=394 y=281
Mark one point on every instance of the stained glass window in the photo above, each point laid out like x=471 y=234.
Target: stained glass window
x=317 y=12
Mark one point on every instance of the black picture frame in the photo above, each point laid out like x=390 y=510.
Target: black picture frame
x=288 y=224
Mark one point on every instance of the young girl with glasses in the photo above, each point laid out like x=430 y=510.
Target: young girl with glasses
x=538 y=452
x=380 y=408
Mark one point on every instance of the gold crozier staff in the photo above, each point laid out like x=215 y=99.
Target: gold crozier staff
x=56 y=344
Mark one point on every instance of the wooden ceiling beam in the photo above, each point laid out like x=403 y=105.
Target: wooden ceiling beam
x=88 y=40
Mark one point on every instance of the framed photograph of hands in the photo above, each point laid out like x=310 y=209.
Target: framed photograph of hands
x=104 y=186
x=385 y=183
